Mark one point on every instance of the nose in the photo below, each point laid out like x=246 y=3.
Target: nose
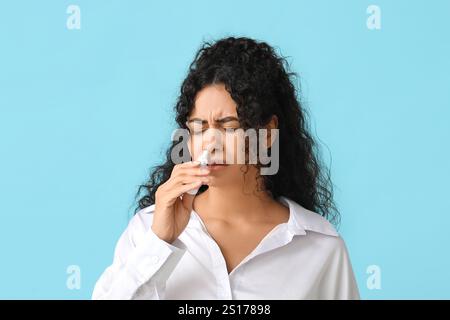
x=214 y=146
x=212 y=138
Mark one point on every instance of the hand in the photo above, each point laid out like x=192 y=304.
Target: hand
x=172 y=212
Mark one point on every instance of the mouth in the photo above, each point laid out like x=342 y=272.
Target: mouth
x=213 y=165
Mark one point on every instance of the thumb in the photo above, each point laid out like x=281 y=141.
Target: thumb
x=187 y=200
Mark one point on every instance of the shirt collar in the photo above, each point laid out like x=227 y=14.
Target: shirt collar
x=300 y=220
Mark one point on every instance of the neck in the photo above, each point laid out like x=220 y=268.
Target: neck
x=237 y=202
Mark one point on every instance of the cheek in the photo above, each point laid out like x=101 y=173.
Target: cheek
x=231 y=148
x=195 y=148
x=228 y=148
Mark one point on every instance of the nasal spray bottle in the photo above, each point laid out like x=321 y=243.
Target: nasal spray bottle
x=204 y=160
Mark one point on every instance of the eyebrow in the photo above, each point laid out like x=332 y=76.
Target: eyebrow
x=221 y=120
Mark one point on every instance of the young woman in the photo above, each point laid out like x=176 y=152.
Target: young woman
x=244 y=235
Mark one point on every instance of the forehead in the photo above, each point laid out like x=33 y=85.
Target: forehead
x=213 y=101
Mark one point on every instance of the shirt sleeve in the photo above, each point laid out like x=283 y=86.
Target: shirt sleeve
x=339 y=281
x=141 y=266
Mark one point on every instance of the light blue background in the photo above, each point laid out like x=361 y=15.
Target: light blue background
x=86 y=113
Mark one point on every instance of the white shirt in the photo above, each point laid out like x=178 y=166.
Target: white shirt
x=303 y=258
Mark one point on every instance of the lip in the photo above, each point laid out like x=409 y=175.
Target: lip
x=216 y=166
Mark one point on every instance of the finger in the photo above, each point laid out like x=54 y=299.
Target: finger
x=188 y=199
x=198 y=171
x=183 y=188
x=188 y=176
x=179 y=167
x=189 y=179
x=189 y=164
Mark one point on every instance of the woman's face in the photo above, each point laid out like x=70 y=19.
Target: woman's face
x=217 y=110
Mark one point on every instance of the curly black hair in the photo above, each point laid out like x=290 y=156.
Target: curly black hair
x=260 y=83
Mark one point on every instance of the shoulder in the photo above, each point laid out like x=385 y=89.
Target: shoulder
x=140 y=223
x=308 y=221
x=314 y=222
x=315 y=228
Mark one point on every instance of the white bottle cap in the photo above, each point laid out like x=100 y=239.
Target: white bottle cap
x=204 y=158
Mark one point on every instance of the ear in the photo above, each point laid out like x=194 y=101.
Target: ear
x=272 y=124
